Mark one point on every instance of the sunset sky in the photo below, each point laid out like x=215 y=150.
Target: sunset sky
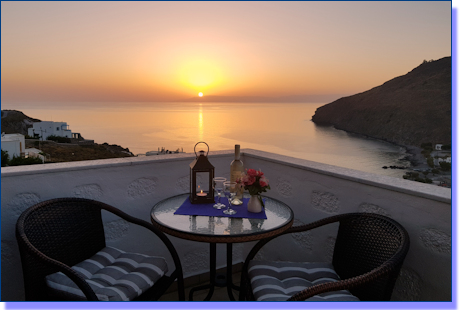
x=171 y=51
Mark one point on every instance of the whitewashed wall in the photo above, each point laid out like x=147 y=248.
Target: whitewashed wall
x=48 y=128
x=313 y=191
x=14 y=144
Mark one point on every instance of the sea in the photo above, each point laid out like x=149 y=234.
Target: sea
x=282 y=128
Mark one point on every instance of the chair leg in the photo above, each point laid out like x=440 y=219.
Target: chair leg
x=180 y=287
x=243 y=287
x=229 y=279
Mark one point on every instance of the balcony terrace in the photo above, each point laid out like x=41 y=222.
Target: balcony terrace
x=313 y=190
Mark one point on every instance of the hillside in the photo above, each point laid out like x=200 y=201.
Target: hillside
x=17 y=122
x=408 y=110
x=65 y=152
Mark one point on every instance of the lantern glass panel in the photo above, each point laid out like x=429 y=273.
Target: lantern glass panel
x=202 y=182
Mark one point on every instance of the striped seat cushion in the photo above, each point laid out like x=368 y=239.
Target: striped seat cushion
x=114 y=275
x=272 y=281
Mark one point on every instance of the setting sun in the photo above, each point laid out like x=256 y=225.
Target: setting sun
x=200 y=94
x=198 y=74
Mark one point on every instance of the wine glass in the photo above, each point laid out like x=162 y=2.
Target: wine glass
x=218 y=187
x=229 y=192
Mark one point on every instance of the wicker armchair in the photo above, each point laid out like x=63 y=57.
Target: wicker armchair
x=368 y=255
x=57 y=234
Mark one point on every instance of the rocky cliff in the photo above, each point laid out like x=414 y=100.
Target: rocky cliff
x=16 y=122
x=407 y=110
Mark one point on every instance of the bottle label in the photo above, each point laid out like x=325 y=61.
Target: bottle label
x=236 y=170
x=233 y=177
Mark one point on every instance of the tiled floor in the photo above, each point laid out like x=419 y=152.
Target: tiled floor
x=220 y=293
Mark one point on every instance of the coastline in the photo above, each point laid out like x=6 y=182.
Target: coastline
x=416 y=157
x=414 y=153
x=418 y=162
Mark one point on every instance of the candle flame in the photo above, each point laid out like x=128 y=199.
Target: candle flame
x=202 y=191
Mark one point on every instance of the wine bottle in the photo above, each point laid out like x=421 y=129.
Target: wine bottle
x=236 y=170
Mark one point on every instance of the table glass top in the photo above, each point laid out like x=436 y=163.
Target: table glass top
x=278 y=215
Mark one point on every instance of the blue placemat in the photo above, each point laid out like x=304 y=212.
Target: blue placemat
x=206 y=209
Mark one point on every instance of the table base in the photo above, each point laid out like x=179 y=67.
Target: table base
x=219 y=280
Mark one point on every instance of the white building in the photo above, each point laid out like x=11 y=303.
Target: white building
x=33 y=152
x=438 y=147
x=448 y=159
x=14 y=144
x=46 y=129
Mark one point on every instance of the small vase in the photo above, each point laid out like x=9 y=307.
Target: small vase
x=254 y=204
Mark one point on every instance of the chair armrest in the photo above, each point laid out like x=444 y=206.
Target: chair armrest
x=344 y=284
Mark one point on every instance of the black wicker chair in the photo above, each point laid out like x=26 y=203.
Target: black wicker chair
x=56 y=234
x=368 y=255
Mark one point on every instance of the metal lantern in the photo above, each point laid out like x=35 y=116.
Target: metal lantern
x=201 y=178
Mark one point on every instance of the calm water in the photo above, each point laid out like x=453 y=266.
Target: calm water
x=279 y=128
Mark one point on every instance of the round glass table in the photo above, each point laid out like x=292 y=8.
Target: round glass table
x=216 y=229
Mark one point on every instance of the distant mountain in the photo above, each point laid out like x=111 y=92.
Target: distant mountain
x=16 y=122
x=407 y=110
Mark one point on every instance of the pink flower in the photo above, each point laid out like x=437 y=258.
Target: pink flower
x=263 y=181
x=254 y=181
x=248 y=180
x=251 y=180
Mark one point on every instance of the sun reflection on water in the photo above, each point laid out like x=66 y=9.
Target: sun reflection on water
x=200 y=123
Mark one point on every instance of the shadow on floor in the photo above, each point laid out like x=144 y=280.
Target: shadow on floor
x=220 y=293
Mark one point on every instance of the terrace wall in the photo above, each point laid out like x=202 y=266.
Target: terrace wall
x=313 y=191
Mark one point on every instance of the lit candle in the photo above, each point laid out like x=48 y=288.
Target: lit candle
x=201 y=194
